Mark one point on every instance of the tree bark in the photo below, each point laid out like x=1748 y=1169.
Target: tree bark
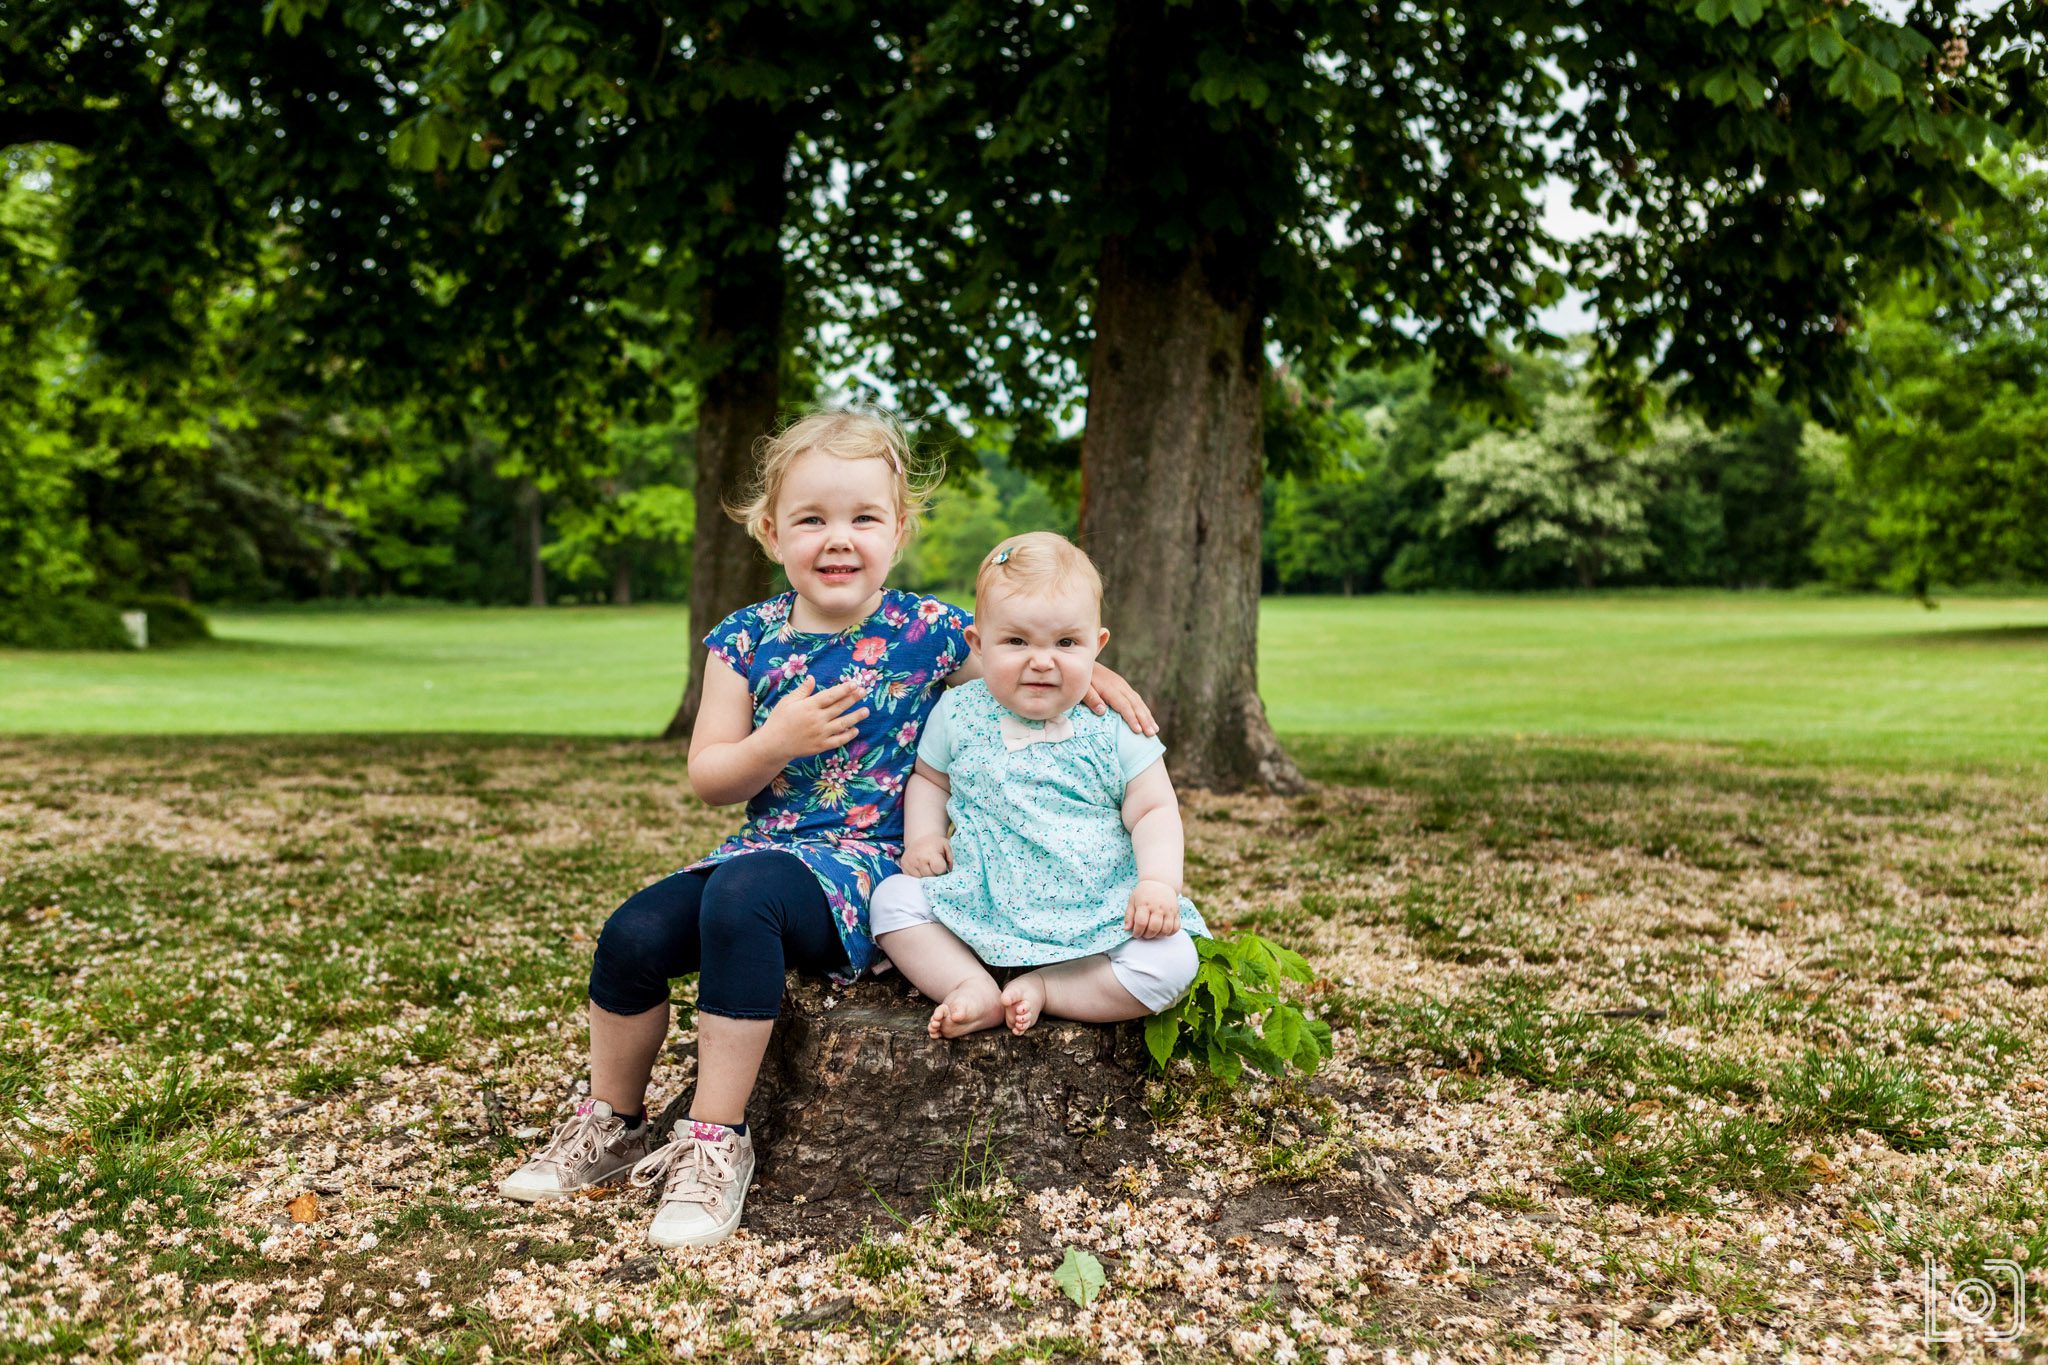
x=856 y=1100
x=739 y=340
x=622 y=580
x=536 y=572
x=1173 y=454
x=727 y=569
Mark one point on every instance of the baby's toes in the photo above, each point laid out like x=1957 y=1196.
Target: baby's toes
x=938 y=1020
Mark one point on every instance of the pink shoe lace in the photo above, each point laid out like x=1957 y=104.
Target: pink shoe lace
x=579 y=1138
x=698 y=1167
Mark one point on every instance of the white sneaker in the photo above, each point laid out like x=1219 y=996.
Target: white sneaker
x=708 y=1168
x=591 y=1147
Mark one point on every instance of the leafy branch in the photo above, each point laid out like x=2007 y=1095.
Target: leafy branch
x=1236 y=1013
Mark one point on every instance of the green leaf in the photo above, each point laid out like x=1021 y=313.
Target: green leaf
x=1720 y=87
x=1824 y=45
x=1293 y=965
x=1285 y=1031
x=1790 y=48
x=1080 y=1275
x=416 y=146
x=1747 y=12
x=1215 y=981
x=1264 y=1058
x=1162 y=1031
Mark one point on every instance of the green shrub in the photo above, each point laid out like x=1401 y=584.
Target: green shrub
x=1235 y=1013
x=172 y=620
x=62 y=623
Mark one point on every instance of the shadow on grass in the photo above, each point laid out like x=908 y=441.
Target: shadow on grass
x=1403 y=762
x=2021 y=637
x=266 y=747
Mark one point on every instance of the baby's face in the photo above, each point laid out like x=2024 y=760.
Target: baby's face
x=1038 y=649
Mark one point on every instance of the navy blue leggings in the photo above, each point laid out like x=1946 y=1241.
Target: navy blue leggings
x=739 y=925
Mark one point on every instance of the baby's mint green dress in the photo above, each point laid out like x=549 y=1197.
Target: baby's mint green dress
x=1043 y=867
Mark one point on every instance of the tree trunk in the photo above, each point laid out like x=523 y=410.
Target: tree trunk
x=727 y=569
x=1174 y=449
x=855 y=1100
x=536 y=572
x=739 y=344
x=1587 y=563
x=1170 y=467
x=622 y=580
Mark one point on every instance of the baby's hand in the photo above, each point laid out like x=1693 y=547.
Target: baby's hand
x=1153 y=912
x=808 y=721
x=930 y=856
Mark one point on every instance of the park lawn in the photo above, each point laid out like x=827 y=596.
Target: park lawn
x=1644 y=1050
x=1856 y=679
x=1799 y=676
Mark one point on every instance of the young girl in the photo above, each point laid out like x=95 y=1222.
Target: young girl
x=1067 y=842
x=813 y=701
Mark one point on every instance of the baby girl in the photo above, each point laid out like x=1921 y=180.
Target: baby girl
x=1066 y=848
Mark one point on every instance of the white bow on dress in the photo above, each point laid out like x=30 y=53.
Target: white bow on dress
x=1019 y=733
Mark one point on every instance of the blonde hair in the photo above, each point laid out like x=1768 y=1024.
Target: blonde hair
x=1039 y=563
x=849 y=434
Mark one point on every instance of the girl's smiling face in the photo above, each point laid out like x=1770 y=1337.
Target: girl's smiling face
x=1038 y=649
x=836 y=528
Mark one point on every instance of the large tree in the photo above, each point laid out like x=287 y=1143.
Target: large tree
x=709 y=150
x=264 y=153
x=1952 y=477
x=1175 y=188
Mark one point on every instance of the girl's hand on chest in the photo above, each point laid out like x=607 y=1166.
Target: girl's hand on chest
x=808 y=722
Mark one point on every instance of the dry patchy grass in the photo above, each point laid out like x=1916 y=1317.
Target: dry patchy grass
x=1643 y=1052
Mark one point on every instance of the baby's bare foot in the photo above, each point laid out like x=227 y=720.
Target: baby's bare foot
x=1023 y=1001
x=969 y=1009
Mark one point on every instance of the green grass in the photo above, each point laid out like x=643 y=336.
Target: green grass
x=978 y=1195
x=877 y=1258
x=1612 y=1153
x=1864 y=679
x=1819 y=678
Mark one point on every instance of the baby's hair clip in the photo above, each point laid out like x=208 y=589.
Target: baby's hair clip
x=1003 y=555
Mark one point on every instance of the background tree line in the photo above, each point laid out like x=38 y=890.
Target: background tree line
x=1379 y=482
x=326 y=295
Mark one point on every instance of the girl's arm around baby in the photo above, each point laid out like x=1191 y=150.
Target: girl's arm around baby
x=1152 y=815
x=730 y=760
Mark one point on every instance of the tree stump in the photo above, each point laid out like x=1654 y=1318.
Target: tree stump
x=854 y=1097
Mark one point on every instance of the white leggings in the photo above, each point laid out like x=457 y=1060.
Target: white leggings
x=1156 y=971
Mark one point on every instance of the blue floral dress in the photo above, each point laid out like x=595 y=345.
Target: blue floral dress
x=841 y=811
